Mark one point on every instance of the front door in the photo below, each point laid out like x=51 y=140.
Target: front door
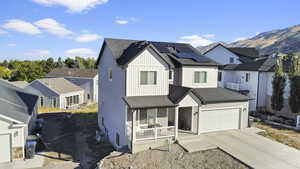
x=185 y=118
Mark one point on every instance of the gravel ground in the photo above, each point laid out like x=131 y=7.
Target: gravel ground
x=177 y=158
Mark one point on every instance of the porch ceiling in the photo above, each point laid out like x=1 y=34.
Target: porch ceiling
x=136 y=102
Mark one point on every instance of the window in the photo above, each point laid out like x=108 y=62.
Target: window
x=219 y=76
x=110 y=74
x=118 y=139
x=54 y=102
x=148 y=77
x=42 y=101
x=170 y=75
x=88 y=96
x=162 y=112
x=231 y=60
x=247 y=77
x=200 y=77
x=143 y=116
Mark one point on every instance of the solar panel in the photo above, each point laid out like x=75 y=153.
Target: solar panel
x=194 y=56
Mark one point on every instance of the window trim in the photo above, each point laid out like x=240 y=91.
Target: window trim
x=197 y=82
x=147 y=77
x=110 y=74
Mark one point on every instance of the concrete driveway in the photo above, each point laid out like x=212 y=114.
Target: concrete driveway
x=254 y=150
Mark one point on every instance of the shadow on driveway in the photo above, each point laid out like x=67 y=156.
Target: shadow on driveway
x=73 y=135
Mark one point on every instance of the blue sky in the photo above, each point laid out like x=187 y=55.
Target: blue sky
x=36 y=29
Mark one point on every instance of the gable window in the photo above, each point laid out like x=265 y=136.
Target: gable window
x=170 y=75
x=200 y=77
x=148 y=77
x=247 y=77
x=110 y=74
x=231 y=60
x=219 y=76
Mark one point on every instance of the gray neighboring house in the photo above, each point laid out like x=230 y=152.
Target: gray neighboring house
x=56 y=92
x=18 y=111
x=87 y=79
x=20 y=84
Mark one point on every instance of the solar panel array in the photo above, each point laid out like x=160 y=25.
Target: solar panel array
x=194 y=56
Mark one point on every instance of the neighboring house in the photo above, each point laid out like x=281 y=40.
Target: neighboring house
x=150 y=92
x=229 y=55
x=87 y=79
x=248 y=78
x=18 y=111
x=20 y=84
x=57 y=93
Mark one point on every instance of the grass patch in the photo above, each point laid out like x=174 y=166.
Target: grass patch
x=284 y=136
x=91 y=108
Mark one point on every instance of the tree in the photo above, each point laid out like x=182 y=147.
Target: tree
x=59 y=63
x=294 y=77
x=28 y=71
x=4 y=73
x=278 y=85
x=70 y=63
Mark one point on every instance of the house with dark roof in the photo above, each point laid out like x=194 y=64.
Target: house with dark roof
x=231 y=55
x=150 y=92
x=57 y=93
x=87 y=79
x=18 y=111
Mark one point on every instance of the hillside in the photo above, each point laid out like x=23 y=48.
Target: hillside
x=282 y=40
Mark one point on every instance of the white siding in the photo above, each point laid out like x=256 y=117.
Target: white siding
x=188 y=77
x=3 y=125
x=63 y=102
x=187 y=101
x=222 y=55
x=262 y=89
x=111 y=105
x=147 y=62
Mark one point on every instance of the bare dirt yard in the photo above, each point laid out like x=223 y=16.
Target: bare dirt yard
x=69 y=139
x=285 y=136
x=177 y=158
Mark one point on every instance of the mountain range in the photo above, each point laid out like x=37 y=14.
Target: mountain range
x=285 y=40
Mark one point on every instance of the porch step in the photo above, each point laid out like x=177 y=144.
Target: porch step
x=193 y=144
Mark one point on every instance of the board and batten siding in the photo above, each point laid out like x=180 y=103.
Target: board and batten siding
x=187 y=77
x=222 y=55
x=146 y=61
x=112 y=108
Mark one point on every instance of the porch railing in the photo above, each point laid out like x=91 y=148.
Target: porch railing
x=155 y=133
x=236 y=86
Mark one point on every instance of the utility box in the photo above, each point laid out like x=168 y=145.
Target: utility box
x=30 y=149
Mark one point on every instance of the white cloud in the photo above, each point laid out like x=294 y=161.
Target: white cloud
x=87 y=37
x=53 y=27
x=73 y=6
x=2 y=32
x=37 y=52
x=22 y=26
x=122 y=22
x=11 y=44
x=239 y=38
x=195 y=40
x=83 y=52
x=209 y=36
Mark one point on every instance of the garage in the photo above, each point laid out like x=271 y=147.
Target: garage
x=5 y=148
x=219 y=119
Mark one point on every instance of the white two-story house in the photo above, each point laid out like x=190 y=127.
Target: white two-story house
x=150 y=92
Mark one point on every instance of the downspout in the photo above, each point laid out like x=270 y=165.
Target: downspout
x=257 y=92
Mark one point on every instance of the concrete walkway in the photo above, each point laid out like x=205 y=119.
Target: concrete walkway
x=254 y=150
x=36 y=162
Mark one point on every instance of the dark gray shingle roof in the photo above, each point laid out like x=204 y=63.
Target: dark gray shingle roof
x=148 y=101
x=67 y=72
x=125 y=50
x=206 y=95
x=15 y=103
x=262 y=65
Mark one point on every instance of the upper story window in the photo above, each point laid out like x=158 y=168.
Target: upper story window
x=200 y=77
x=231 y=60
x=110 y=74
x=171 y=75
x=247 y=77
x=148 y=77
x=219 y=76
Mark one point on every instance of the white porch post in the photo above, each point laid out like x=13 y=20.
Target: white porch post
x=176 y=122
x=199 y=111
x=134 y=125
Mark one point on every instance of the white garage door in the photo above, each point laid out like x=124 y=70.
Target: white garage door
x=5 y=148
x=217 y=120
